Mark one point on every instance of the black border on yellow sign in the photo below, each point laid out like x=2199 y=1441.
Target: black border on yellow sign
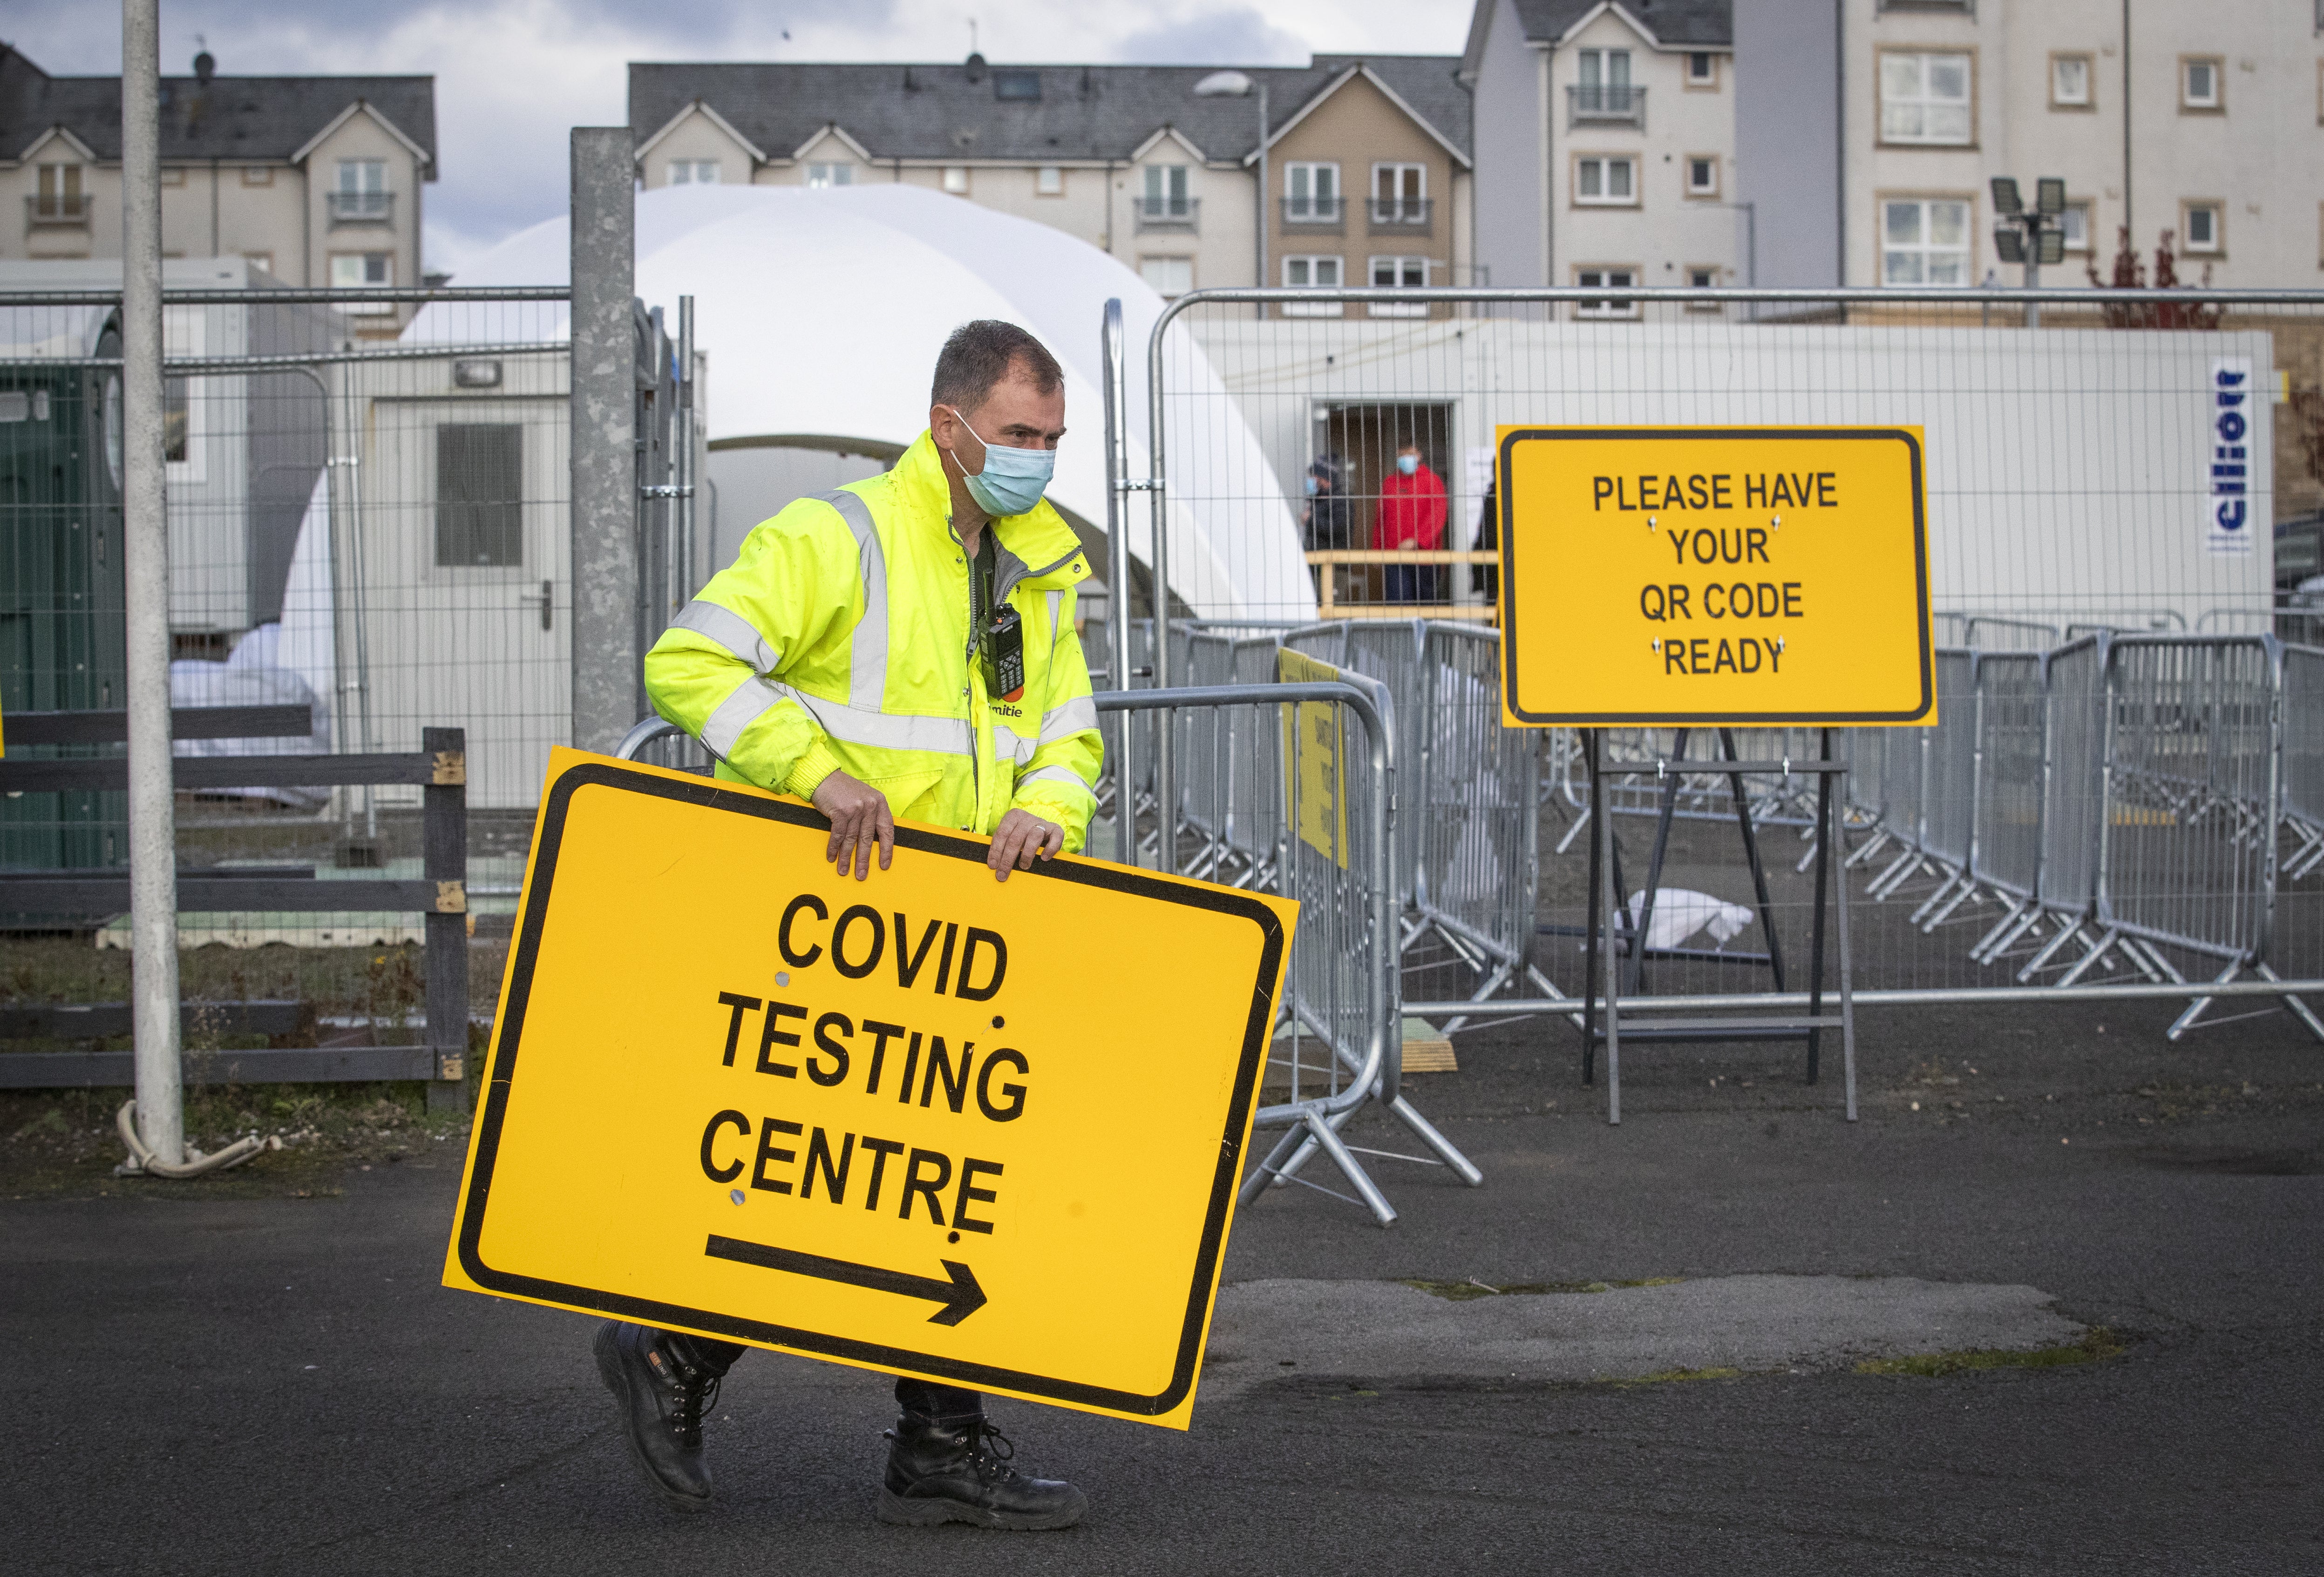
x=708 y=794
x=1510 y=578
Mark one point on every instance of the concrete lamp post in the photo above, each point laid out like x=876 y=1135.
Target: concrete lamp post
x=1239 y=84
x=2033 y=236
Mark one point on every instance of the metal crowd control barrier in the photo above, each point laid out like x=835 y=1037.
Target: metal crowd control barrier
x=2303 y=760
x=440 y=770
x=1477 y=831
x=1334 y=856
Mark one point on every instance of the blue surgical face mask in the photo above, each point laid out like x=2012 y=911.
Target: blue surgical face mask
x=1407 y=463
x=1311 y=485
x=1012 y=479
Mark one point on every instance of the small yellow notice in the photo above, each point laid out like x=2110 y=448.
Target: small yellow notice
x=927 y=1123
x=1714 y=575
x=1313 y=752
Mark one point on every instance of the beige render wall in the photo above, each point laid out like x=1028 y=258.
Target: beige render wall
x=361 y=137
x=1356 y=127
x=245 y=218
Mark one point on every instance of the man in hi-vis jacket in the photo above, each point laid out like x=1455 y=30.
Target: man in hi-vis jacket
x=904 y=647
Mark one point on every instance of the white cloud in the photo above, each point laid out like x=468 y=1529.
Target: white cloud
x=514 y=75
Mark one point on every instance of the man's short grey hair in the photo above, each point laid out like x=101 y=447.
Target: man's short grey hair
x=987 y=352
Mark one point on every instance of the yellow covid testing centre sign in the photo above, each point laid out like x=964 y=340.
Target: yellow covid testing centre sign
x=984 y=1132
x=1714 y=575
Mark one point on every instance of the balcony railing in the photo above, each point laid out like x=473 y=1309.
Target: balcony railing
x=1167 y=213
x=71 y=207
x=362 y=207
x=1400 y=215
x=1606 y=103
x=1315 y=213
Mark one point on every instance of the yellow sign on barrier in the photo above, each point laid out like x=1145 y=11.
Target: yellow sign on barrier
x=1316 y=774
x=984 y=1132
x=1672 y=575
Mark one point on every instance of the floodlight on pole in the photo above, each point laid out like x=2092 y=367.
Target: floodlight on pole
x=1242 y=85
x=2032 y=237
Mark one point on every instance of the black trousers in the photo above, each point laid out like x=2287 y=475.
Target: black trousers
x=922 y=1397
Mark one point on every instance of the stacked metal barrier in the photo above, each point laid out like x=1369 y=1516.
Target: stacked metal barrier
x=2012 y=757
x=2303 y=759
x=1477 y=832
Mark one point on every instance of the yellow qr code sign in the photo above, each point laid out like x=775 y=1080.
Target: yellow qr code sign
x=915 y=1124
x=1714 y=575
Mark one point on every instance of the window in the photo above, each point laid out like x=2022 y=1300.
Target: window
x=2201 y=227
x=185 y=410
x=1168 y=277
x=1603 y=278
x=2200 y=90
x=2075 y=222
x=1924 y=98
x=479 y=496
x=257 y=175
x=1605 y=83
x=1400 y=194
x=357 y=270
x=820 y=176
x=1312 y=273
x=1049 y=180
x=2070 y=82
x=60 y=195
x=696 y=172
x=1311 y=194
x=955 y=179
x=1703 y=175
x=177 y=421
x=361 y=190
x=1702 y=69
x=1166 y=197
x=1606 y=183
x=1702 y=276
x=1399 y=273
x=1924 y=240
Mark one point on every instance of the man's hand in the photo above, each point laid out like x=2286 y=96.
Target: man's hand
x=1021 y=839
x=859 y=820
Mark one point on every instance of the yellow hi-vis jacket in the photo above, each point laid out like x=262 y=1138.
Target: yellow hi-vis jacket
x=839 y=639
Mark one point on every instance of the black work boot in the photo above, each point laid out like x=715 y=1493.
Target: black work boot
x=946 y=1469
x=663 y=1396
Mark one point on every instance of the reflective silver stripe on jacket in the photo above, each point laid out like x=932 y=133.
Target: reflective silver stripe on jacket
x=1010 y=745
x=730 y=630
x=1076 y=716
x=724 y=727
x=885 y=730
x=867 y=654
x=1054 y=775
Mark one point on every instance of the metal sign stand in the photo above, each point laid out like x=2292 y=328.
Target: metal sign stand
x=1625 y=944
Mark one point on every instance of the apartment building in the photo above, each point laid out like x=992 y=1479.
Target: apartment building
x=1368 y=163
x=1605 y=144
x=315 y=179
x=2203 y=122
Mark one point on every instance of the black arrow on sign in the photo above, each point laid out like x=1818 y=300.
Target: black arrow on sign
x=960 y=1295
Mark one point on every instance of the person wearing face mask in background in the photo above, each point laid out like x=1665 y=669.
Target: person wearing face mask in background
x=1328 y=523
x=1410 y=515
x=903 y=647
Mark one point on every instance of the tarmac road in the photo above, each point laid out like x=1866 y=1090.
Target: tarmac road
x=208 y=1385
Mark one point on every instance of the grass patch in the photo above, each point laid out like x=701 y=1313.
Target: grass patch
x=1465 y=1292
x=2098 y=1342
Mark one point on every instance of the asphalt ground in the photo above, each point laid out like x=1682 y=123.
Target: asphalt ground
x=237 y=1379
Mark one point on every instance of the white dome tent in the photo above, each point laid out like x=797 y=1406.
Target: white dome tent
x=820 y=312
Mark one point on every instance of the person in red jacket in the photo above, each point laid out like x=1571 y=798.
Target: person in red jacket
x=1410 y=515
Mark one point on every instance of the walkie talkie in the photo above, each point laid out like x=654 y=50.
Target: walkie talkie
x=999 y=632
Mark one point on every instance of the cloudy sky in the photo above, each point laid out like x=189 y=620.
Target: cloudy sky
x=512 y=75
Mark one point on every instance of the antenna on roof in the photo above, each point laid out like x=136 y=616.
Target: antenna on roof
x=974 y=48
